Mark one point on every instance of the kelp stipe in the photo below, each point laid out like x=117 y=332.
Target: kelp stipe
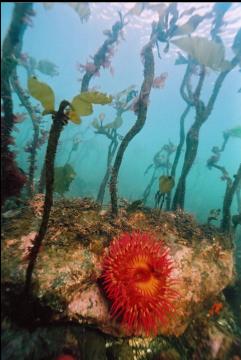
x=59 y=120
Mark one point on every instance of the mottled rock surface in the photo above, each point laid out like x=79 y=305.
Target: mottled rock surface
x=70 y=261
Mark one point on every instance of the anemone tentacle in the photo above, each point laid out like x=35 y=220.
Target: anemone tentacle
x=137 y=278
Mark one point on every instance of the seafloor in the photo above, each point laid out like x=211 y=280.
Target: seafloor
x=69 y=311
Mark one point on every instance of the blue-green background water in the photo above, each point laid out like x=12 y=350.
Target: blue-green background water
x=59 y=36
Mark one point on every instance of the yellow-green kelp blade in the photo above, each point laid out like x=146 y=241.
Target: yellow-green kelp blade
x=74 y=117
x=42 y=92
x=82 y=104
x=95 y=97
x=82 y=107
x=166 y=183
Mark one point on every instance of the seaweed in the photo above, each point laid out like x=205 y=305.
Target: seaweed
x=13 y=179
x=39 y=135
x=232 y=186
x=59 y=120
x=40 y=331
x=161 y=160
x=113 y=136
x=161 y=32
x=81 y=105
x=102 y=56
x=202 y=113
x=190 y=69
x=219 y=10
x=63 y=176
x=121 y=103
x=147 y=54
x=36 y=119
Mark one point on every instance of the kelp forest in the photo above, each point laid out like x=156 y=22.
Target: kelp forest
x=121 y=181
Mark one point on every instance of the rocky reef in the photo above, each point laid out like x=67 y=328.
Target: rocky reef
x=67 y=284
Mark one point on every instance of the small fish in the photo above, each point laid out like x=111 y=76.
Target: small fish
x=166 y=183
x=47 y=67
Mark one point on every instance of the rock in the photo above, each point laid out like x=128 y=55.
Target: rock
x=11 y=214
x=220 y=343
x=201 y=275
x=89 y=304
x=69 y=270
